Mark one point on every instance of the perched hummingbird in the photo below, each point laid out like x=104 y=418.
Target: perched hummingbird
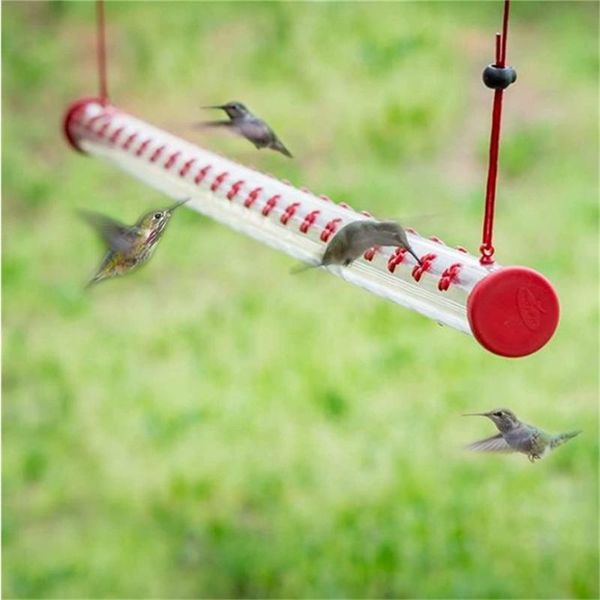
x=243 y=122
x=129 y=247
x=353 y=239
x=516 y=436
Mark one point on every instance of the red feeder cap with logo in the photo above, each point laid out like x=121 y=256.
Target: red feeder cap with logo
x=513 y=311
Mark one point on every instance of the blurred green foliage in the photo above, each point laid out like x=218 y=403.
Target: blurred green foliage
x=184 y=433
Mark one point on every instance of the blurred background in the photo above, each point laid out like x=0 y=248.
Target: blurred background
x=181 y=432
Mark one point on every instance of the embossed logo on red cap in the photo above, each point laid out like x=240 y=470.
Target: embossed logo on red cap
x=530 y=308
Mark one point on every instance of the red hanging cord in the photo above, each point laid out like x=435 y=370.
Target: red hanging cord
x=504 y=33
x=487 y=249
x=101 y=51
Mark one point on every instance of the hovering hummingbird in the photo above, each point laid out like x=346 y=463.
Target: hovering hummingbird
x=243 y=122
x=353 y=239
x=516 y=436
x=129 y=247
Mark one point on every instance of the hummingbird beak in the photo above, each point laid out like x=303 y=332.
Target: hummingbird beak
x=177 y=205
x=221 y=106
x=412 y=253
x=485 y=414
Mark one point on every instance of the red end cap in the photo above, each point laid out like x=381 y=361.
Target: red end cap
x=72 y=110
x=513 y=311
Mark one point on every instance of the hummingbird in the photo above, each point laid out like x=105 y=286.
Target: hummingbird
x=516 y=436
x=353 y=239
x=129 y=246
x=248 y=125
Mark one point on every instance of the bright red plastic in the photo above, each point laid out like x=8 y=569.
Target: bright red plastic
x=513 y=312
x=72 y=110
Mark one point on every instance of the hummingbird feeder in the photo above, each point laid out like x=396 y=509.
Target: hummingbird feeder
x=511 y=311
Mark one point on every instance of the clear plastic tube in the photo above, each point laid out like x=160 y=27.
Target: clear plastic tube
x=271 y=211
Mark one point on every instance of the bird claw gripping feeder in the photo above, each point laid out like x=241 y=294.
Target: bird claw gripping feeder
x=511 y=311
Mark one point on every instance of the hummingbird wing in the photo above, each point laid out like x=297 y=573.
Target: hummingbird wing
x=203 y=124
x=256 y=131
x=496 y=443
x=114 y=234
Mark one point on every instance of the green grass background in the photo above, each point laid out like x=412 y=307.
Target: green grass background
x=211 y=426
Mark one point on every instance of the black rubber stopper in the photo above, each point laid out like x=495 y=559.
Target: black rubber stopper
x=499 y=78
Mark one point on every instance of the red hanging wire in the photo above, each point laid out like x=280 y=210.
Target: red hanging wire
x=487 y=249
x=101 y=51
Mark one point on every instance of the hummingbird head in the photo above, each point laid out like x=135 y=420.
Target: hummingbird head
x=405 y=244
x=503 y=418
x=233 y=109
x=155 y=221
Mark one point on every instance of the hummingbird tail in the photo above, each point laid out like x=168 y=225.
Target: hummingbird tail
x=92 y=282
x=277 y=145
x=205 y=124
x=302 y=268
x=102 y=273
x=561 y=438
